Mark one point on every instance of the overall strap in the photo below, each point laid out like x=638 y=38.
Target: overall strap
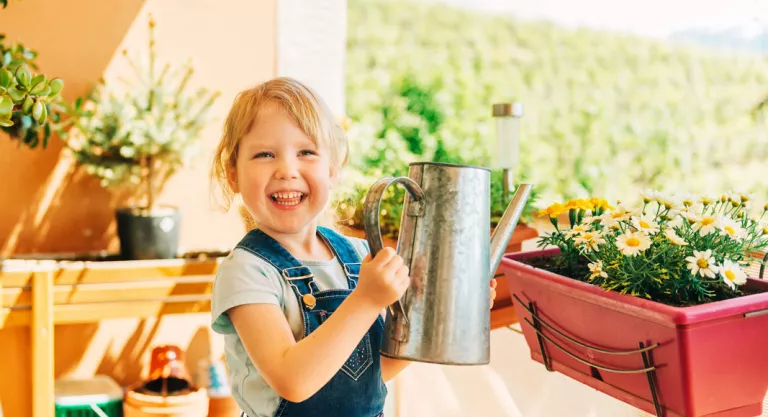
x=265 y=247
x=345 y=252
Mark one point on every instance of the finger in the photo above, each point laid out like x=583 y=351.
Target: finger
x=393 y=265
x=367 y=258
x=402 y=272
x=384 y=256
x=403 y=282
x=491 y=304
x=493 y=283
x=493 y=294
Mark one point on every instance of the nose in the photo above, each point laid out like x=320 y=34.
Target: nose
x=287 y=168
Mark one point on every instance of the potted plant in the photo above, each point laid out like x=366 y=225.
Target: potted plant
x=28 y=101
x=651 y=305
x=137 y=138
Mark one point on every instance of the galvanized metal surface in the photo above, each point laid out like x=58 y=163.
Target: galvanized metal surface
x=444 y=235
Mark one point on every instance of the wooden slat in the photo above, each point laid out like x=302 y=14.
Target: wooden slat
x=16 y=279
x=130 y=271
x=84 y=313
x=4 y=312
x=130 y=291
x=16 y=318
x=42 y=345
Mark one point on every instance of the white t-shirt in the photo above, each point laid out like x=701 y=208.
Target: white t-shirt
x=244 y=278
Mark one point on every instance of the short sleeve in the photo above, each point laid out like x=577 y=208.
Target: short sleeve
x=361 y=246
x=242 y=278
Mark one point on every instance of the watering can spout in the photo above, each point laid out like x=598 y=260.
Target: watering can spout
x=503 y=232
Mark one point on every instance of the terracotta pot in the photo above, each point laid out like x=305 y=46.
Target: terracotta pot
x=194 y=404
x=703 y=360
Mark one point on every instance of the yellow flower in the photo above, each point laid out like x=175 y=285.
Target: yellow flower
x=554 y=210
x=579 y=204
x=601 y=203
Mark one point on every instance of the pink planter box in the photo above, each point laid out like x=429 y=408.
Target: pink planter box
x=705 y=360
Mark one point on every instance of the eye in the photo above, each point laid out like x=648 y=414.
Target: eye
x=307 y=152
x=263 y=155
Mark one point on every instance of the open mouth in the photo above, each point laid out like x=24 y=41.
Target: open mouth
x=288 y=199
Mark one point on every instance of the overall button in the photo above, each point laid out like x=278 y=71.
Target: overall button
x=309 y=301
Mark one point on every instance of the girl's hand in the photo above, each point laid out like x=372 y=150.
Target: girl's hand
x=493 y=291
x=383 y=279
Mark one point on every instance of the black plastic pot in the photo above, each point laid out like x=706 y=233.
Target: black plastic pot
x=148 y=235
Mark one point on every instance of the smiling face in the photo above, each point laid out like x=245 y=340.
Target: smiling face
x=282 y=175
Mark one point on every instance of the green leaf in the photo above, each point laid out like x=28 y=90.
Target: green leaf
x=56 y=84
x=37 y=85
x=6 y=106
x=27 y=106
x=5 y=78
x=39 y=78
x=44 y=92
x=6 y=122
x=24 y=76
x=17 y=94
x=37 y=110
x=44 y=115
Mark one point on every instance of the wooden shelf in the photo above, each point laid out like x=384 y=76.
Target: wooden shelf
x=40 y=294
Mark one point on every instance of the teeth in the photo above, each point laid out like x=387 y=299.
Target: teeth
x=287 y=195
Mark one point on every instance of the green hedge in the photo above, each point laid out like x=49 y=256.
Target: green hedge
x=606 y=114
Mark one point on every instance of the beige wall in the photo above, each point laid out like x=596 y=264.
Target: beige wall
x=46 y=207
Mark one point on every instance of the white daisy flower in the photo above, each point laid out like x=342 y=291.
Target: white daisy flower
x=730 y=227
x=705 y=224
x=702 y=263
x=732 y=274
x=597 y=270
x=676 y=221
x=649 y=196
x=674 y=238
x=590 y=240
x=669 y=202
x=613 y=218
x=632 y=243
x=576 y=230
x=645 y=224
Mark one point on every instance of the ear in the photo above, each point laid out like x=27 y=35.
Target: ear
x=232 y=179
x=336 y=176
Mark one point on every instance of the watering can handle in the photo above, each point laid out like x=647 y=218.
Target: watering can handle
x=372 y=208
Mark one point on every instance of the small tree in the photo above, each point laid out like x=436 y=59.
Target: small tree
x=142 y=135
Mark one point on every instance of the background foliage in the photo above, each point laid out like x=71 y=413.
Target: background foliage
x=606 y=114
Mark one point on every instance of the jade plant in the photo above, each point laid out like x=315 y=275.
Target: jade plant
x=28 y=101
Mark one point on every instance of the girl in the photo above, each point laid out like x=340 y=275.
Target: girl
x=300 y=306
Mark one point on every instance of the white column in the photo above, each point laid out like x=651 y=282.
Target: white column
x=311 y=46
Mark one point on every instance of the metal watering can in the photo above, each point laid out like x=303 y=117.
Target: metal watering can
x=444 y=315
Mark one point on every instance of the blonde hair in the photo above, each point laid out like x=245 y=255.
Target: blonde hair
x=303 y=105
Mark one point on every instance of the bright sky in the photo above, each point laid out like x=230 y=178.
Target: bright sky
x=647 y=17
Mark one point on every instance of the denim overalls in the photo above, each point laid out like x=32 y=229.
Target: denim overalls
x=357 y=390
